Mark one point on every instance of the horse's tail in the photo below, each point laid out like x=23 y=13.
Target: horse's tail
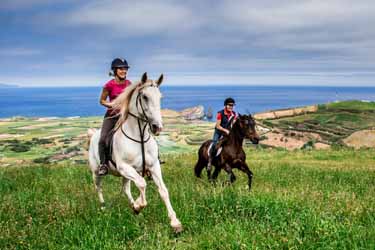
x=199 y=166
x=90 y=133
x=202 y=161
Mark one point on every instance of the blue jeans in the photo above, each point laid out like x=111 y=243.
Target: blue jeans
x=215 y=139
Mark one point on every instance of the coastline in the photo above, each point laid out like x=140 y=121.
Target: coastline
x=337 y=124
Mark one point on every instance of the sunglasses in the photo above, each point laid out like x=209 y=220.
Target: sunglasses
x=230 y=104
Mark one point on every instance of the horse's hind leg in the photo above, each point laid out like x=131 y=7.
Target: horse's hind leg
x=201 y=164
x=127 y=190
x=98 y=187
x=230 y=173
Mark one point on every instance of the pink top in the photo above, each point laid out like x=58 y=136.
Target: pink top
x=115 y=89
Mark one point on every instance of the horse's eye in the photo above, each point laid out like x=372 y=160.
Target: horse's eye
x=145 y=98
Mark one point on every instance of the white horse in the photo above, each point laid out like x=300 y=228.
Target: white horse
x=139 y=107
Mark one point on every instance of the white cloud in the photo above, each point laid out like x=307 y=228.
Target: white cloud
x=57 y=80
x=273 y=79
x=208 y=78
x=25 y=4
x=270 y=16
x=17 y=51
x=299 y=37
x=132 y=18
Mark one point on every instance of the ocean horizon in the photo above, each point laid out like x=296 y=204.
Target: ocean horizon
x=84 y=101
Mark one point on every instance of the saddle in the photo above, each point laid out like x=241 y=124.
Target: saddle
x=218 y=149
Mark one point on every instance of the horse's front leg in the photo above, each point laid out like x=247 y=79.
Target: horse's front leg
x=163 y=191
x=245 y=168
x=126 y=189
x=98 y=186
x=128 y=172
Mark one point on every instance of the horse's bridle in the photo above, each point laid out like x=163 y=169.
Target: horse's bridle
x=141 y=130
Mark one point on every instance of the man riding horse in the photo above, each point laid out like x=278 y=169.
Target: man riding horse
x=223 y=120
x=233 y=129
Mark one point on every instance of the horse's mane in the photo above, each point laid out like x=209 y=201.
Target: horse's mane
x=121 y=103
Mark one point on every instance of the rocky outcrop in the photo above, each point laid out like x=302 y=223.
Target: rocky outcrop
x=169 y=113
x=363 y=138
x=194 y=113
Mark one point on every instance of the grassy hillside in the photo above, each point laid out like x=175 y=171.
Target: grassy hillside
x=333 y=121
x=300 y=200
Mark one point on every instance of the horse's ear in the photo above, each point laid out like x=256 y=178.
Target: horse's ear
x=160 y=80
x=144 y=77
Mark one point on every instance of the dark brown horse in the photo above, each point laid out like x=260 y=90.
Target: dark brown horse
x=232 y=154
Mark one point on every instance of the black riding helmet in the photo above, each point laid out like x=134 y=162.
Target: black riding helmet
x=119 y=63
x=229 y=100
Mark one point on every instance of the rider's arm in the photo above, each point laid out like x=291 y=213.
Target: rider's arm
x=226 y=131
x=103 y=98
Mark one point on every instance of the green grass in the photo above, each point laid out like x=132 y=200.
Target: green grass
x=350 y=105
x=333 y=121
x=300 y=200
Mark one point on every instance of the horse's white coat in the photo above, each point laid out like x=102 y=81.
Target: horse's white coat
x=128 y=154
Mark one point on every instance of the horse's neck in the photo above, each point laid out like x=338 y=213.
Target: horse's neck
x=131 y=128
x=235 y=137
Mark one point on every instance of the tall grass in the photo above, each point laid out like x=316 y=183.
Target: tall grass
x=299 y=200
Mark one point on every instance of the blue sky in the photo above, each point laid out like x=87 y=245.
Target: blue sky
x=269 y=42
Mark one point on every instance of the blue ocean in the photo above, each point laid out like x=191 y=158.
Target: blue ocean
x=84 y=101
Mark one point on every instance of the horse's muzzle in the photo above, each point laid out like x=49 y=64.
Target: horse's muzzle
x=155 y=129
x=254 y=140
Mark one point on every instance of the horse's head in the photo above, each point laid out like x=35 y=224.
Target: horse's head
x=247 y=125
x=148 y=102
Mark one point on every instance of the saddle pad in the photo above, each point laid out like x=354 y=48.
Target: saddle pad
x=218 y=152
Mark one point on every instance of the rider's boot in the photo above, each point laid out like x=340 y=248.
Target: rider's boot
x=103 y=169
x=211 y=156
x=160 y=160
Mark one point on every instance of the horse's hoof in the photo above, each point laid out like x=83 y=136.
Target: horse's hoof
x=178 y=229
x=212 y=181
x=227 y=183
x=136 y=211
x=102 y=207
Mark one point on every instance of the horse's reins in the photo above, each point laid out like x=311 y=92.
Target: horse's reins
x=141 y=130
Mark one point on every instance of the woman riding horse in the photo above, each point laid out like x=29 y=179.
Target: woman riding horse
x=112 y=89
x=134 y=148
